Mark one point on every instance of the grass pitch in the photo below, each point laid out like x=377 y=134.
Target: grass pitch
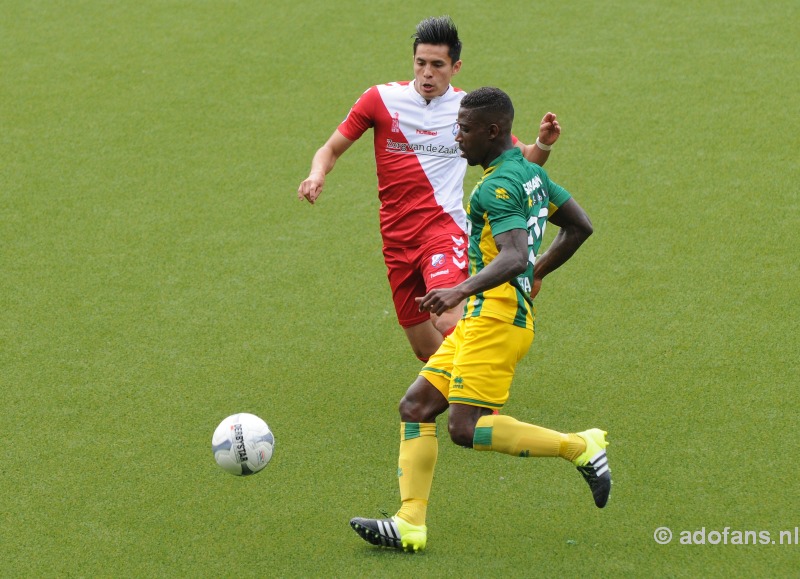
x=159 y=274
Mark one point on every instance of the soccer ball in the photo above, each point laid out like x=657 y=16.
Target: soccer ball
x=242 y=444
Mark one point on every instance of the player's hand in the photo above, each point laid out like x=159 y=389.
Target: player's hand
x=549 y=129
x=438 y=301
x=311 y=188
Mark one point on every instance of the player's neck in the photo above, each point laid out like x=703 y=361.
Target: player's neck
x=495 y=152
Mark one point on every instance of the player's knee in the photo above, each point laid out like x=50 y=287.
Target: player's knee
x=461 y=432
x=413 y=409
x=421 y=402
x=408 y=409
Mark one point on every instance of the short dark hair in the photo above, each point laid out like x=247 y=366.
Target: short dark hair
x=495 y=103
x=439 y=30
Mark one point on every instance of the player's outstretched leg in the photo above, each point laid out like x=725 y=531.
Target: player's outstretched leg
x=593 y=465
x=393 y=532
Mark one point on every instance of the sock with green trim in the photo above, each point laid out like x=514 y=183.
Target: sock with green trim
x=510 y=436
x=419 y=449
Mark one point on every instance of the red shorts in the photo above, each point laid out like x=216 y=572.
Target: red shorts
x=413 y=271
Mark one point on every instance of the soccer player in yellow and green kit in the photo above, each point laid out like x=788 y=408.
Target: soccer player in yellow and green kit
x=471 y=372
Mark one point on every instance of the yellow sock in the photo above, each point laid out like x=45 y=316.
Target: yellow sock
x=419 y=449
x=510 y=436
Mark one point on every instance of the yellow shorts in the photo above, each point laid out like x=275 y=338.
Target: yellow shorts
x=475 y=364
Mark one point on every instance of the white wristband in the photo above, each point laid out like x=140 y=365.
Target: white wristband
x=542 y=146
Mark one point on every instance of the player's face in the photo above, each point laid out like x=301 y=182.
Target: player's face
x=433 y=69
x=473 y=136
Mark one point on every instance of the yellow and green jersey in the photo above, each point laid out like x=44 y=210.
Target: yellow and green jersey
x=512 y=194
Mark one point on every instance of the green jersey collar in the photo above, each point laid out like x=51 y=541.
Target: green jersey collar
x=505 y=156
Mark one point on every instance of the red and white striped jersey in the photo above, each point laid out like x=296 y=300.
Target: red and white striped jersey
x=420 y=169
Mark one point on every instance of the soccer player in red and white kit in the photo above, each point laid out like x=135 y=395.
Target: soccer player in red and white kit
x=420 y=177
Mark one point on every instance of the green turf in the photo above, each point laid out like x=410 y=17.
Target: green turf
x=158 y=274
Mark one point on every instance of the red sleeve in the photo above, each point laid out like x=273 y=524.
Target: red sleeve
x=361 y=117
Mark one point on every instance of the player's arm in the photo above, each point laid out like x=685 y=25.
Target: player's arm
x=511 y=261
x=549 y=131
x=575 y=227
x=323 y=162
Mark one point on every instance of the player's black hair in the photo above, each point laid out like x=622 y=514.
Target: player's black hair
x=495 y=103
x=439 y=30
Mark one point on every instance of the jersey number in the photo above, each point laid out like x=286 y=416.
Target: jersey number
x=536 y=225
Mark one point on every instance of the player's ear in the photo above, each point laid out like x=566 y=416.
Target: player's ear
x=494 y=130
x=456 y=66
